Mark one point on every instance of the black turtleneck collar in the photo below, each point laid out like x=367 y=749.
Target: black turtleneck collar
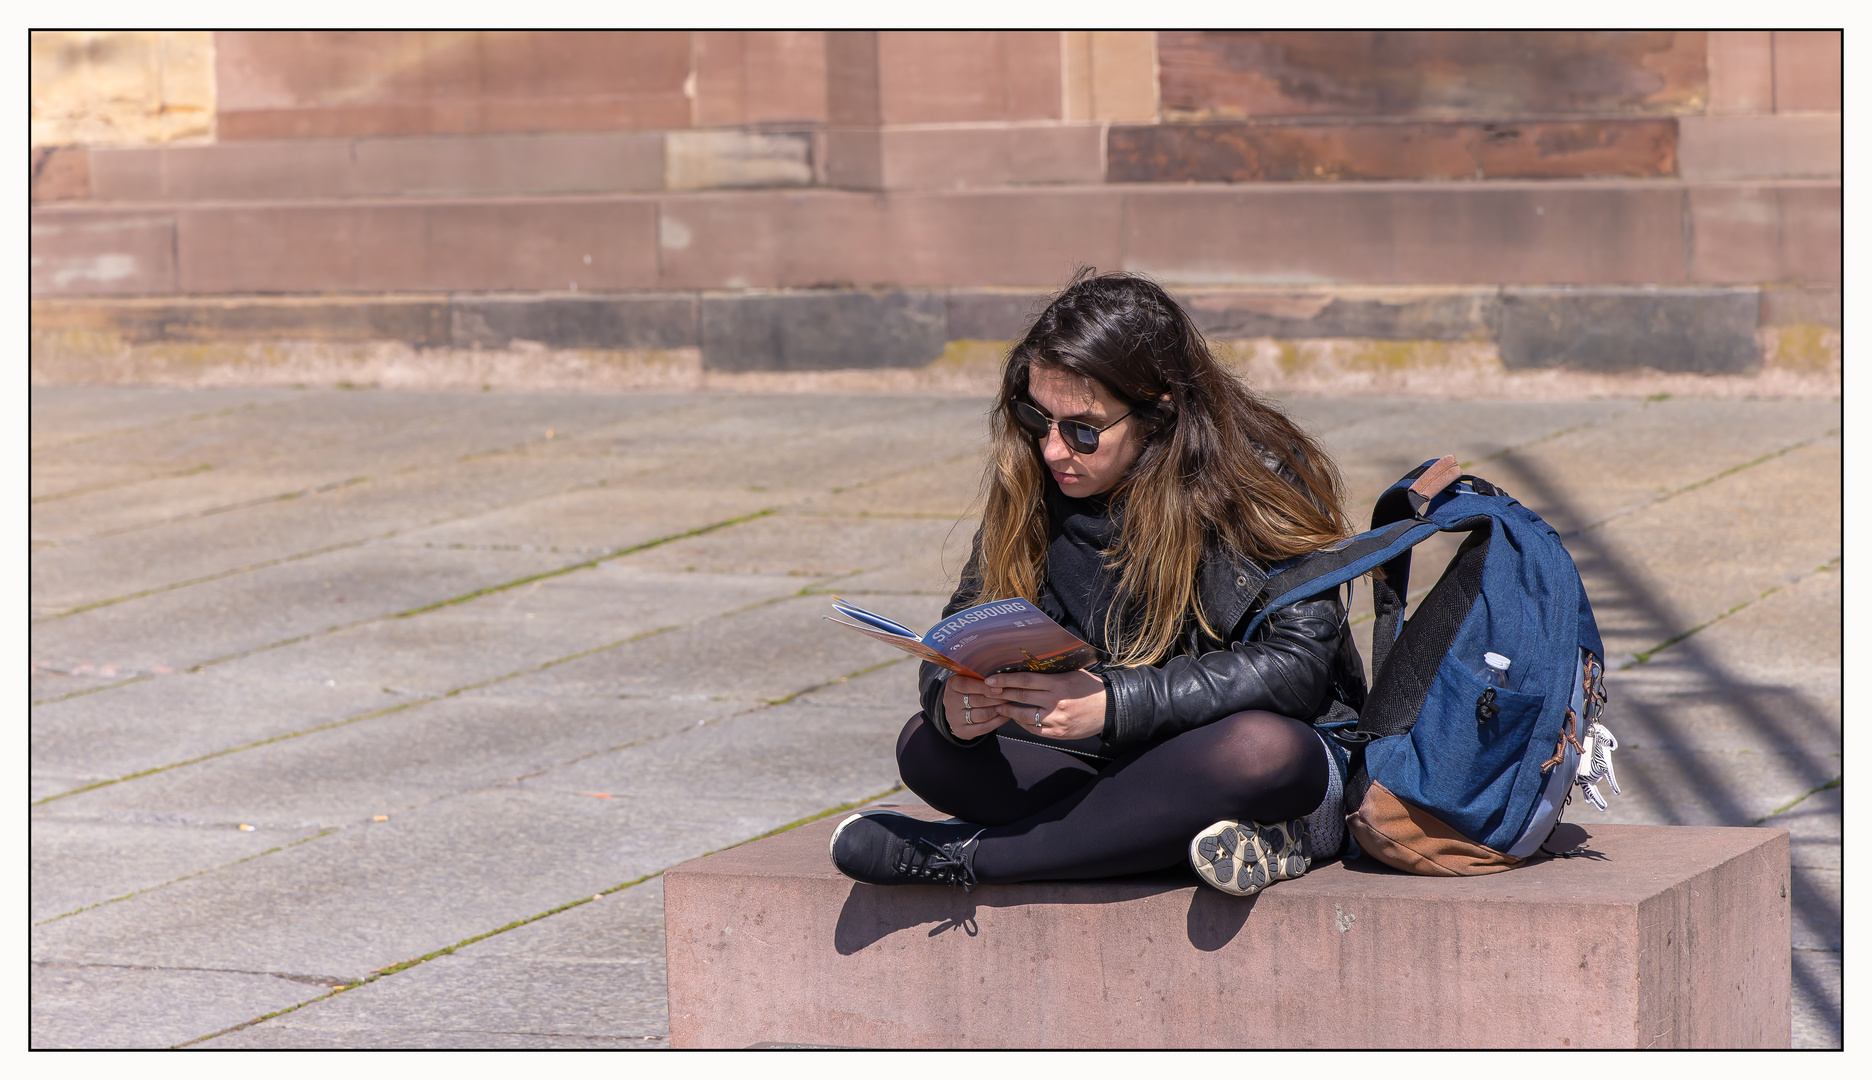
x=1078 y=532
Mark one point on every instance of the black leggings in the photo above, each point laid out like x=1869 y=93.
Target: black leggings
x=1054 y=815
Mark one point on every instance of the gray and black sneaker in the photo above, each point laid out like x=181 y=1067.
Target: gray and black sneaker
x=882 y=847
x=1243 y=857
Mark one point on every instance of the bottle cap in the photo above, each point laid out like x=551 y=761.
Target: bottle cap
x=1496 y=660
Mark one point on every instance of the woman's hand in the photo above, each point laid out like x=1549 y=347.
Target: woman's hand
x=970 y=707
x=1069 y=706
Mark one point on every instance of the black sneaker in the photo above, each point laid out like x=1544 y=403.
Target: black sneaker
x=1243 y=857
x=882 y=847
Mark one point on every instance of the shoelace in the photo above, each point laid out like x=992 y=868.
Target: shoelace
x=943 y=864
x=1596 y=765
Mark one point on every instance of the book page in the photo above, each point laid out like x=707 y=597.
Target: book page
x=873 y=619
x=911 y=645
x=1009 y=635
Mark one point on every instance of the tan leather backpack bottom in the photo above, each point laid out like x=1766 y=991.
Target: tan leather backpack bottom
x=1413 y=840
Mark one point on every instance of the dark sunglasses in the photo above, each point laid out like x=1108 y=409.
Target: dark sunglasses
x=1080 y=438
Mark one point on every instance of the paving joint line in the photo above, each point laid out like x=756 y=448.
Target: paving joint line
x=216 y=576
x=391 y=534
x=185 y=877
x=212 y=511
x=265 y=500
x=326 y=981
x=1801 y=798
x=393 y=969
x=1644 y=657
x=613 y=554
x=415 y=702
x=409 y=612
x=1705 y=482
x=542 y=770
x=119 y=485
x=93 y=605
x=1506 y=450
x=174 y=420
x=1731 y=471
x=224 y=751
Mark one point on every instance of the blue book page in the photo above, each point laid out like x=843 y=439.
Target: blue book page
x=873 y=620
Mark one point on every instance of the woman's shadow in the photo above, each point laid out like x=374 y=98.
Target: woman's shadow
x=875 y=912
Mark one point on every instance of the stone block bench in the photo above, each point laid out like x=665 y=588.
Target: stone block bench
x=1657 y=937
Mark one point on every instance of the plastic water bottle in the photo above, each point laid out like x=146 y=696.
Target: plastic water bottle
x=1494 y=670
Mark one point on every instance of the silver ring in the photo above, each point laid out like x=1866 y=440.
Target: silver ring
x=965 y=715
x=965 y=702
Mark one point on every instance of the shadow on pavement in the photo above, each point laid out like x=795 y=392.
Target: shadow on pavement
x=1771 y=712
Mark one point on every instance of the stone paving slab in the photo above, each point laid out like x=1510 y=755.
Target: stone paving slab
x=891 y=688
x=843 y=460
x=174 y=498
x=387 y=431
x=942 y=490
x=595 y=972
x=194 y=549
x=1789 y=639
x=392 y=764
x=595 y=520
x=100 y=1006
x=511 y=632
x=179 y=629
x=173 y=718
x=66 y=415
x=365 y=898
x=1691 y=558
x=268 y=1036
x=1814 y=827
x=78 y=862
x=1322 y=415
x=376 y=666
x=771 y=651
x=1627 y=460
x=799 y=545
x=51 y=483
x=1818 y=1001
x=491 y=792
x=1374 y=452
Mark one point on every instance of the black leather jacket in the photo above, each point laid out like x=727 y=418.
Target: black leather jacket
x=1301 y=661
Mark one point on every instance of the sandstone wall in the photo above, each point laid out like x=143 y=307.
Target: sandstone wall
x=1596 y=201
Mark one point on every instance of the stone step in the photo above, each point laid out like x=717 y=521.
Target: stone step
x=1707 y=330
x=1586 y=233
x=1654 y=937
x=903 y=158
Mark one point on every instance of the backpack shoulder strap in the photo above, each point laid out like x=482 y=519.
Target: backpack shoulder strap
x=1405 y=500
x=1327 y=569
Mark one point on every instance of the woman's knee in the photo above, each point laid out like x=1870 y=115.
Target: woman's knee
x=925 y=760
x=1273 y=754
x=910 y=731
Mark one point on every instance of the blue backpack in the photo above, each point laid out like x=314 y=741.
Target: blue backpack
x=1451 y=771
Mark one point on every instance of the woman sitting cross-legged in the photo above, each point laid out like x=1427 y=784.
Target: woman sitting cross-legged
x=1137 y=491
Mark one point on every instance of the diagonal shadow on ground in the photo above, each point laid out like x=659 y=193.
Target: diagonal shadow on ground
x=1770 y=712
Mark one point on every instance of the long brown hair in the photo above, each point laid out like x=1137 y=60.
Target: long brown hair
x=1208 y=478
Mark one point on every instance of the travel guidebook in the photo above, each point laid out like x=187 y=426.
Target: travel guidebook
x=1001 y=635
